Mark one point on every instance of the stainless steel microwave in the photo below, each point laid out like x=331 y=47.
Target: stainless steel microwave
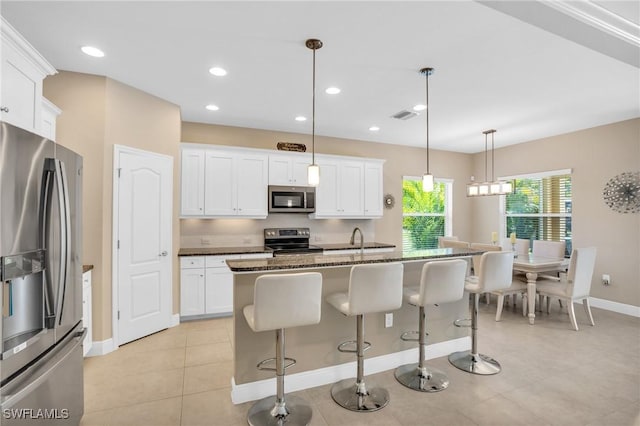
x=292 y=199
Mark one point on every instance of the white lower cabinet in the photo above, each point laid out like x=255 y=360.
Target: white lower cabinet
x=86 y=312
x=206 y=284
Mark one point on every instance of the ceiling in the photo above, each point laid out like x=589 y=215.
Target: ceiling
x=528 y=69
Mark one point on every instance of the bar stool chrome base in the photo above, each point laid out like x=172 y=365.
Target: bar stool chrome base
x=424 y=380
x=294 y=411
x=475 y=363
x=356 y=397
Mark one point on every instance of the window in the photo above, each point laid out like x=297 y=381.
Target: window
x=540 y=207
x=425 y=215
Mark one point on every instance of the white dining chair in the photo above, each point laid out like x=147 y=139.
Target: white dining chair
x=454 y=244
x=522 y=246
x=553 y=249
x=573 y=286
x=475 y=260
x=441 y=239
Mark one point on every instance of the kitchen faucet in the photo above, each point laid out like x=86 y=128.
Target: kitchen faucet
x=353 y=237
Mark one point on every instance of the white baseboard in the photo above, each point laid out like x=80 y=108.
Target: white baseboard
x=101 y=348
x=620 y=308
x=322 y=376
x=175 y=320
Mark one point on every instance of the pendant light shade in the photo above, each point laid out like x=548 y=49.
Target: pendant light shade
x=313 y=170
x=492 y=187
x=427 y=178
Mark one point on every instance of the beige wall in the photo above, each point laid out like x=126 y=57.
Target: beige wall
x=595 y=156
x=99 y=113
x=400 y=161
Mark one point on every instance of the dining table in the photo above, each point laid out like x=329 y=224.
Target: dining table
x=532 y=266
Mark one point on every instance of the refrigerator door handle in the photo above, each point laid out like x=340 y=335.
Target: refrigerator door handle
x=36 y=380
x=55 y=174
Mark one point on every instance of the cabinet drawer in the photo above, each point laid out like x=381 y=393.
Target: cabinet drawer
x=219 y=261
x=256 y=256
x=191 y=262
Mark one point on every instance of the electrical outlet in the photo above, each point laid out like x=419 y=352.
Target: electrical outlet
x=388 y=320
x=205 y=241
x=606 y=279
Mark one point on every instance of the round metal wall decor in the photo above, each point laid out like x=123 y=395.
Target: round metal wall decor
x=622 y=193
x=389 y=201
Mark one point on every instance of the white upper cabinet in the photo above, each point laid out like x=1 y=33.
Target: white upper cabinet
x=22 y=71
x=288 y=169
x=223 y=183
x=50 y=114
x=373 y=197
x=192 y=183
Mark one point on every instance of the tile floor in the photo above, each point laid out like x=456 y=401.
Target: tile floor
x=551 y=375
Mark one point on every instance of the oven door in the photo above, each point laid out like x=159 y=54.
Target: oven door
x=290 y=199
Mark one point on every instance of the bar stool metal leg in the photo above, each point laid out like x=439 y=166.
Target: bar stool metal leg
x=356 y=397
x=274 y=410
x=472 y=361
x=418 y=376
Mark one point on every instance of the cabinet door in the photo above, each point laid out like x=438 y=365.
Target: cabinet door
x=219 y=291
x=252 y=180
x=279 y=170
x=192 y=183
x=219 y=184
x=327 y=190
x=191 y=292
x=21 y=91
x=373 y=190
x=351 y=188
x=299 y=171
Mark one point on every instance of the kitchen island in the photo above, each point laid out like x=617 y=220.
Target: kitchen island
x=314 y=347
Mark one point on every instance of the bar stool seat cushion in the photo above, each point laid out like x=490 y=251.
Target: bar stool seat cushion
x=285 y=300
x=412 y=295
x=372 y=288
x=472 y=284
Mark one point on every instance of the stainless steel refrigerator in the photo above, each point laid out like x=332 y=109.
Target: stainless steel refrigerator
x=41 y=274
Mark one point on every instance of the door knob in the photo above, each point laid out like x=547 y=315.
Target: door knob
x=164 y=253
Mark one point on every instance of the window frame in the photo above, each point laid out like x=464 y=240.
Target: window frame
x=536 y=175
x=448 y=204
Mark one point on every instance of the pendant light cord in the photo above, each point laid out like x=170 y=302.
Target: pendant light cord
x=485 y=157
x=427 y=116
x=313 y=112
x=493 y=177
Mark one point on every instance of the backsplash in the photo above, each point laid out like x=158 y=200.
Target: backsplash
x=248 y=232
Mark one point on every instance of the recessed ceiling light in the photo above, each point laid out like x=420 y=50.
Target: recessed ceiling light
x=332 y=90
x=212 y=107
x=374 y=128
x=92 y=51
x=419 y=107
x=301 y=118
x=217 y=71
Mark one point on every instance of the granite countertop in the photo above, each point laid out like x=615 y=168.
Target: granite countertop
x=86 y=268
x=347 y=246
x=217 y=251
x=324 y=260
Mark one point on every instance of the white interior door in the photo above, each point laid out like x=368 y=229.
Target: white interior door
x=144 y=249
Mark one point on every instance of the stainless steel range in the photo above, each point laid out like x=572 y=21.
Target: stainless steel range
x=289 y=241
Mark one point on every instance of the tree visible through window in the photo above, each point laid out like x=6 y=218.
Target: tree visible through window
x=540 y=209
x=425 y=214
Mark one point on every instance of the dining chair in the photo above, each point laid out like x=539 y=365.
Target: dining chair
x=573 y=286
x=454 y=244
x=522 y=245
x=441 y=239
x=553 y=249
x=475 y=260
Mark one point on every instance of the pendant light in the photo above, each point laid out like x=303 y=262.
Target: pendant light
x=313 y=170
x=427 y=178
x=493 y=187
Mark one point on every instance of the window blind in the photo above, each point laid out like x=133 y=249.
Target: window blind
x=424 y=214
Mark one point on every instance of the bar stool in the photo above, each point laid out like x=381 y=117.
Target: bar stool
x=440 y=282
x=495 y=274
x=373 y=288
x=282 y=301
